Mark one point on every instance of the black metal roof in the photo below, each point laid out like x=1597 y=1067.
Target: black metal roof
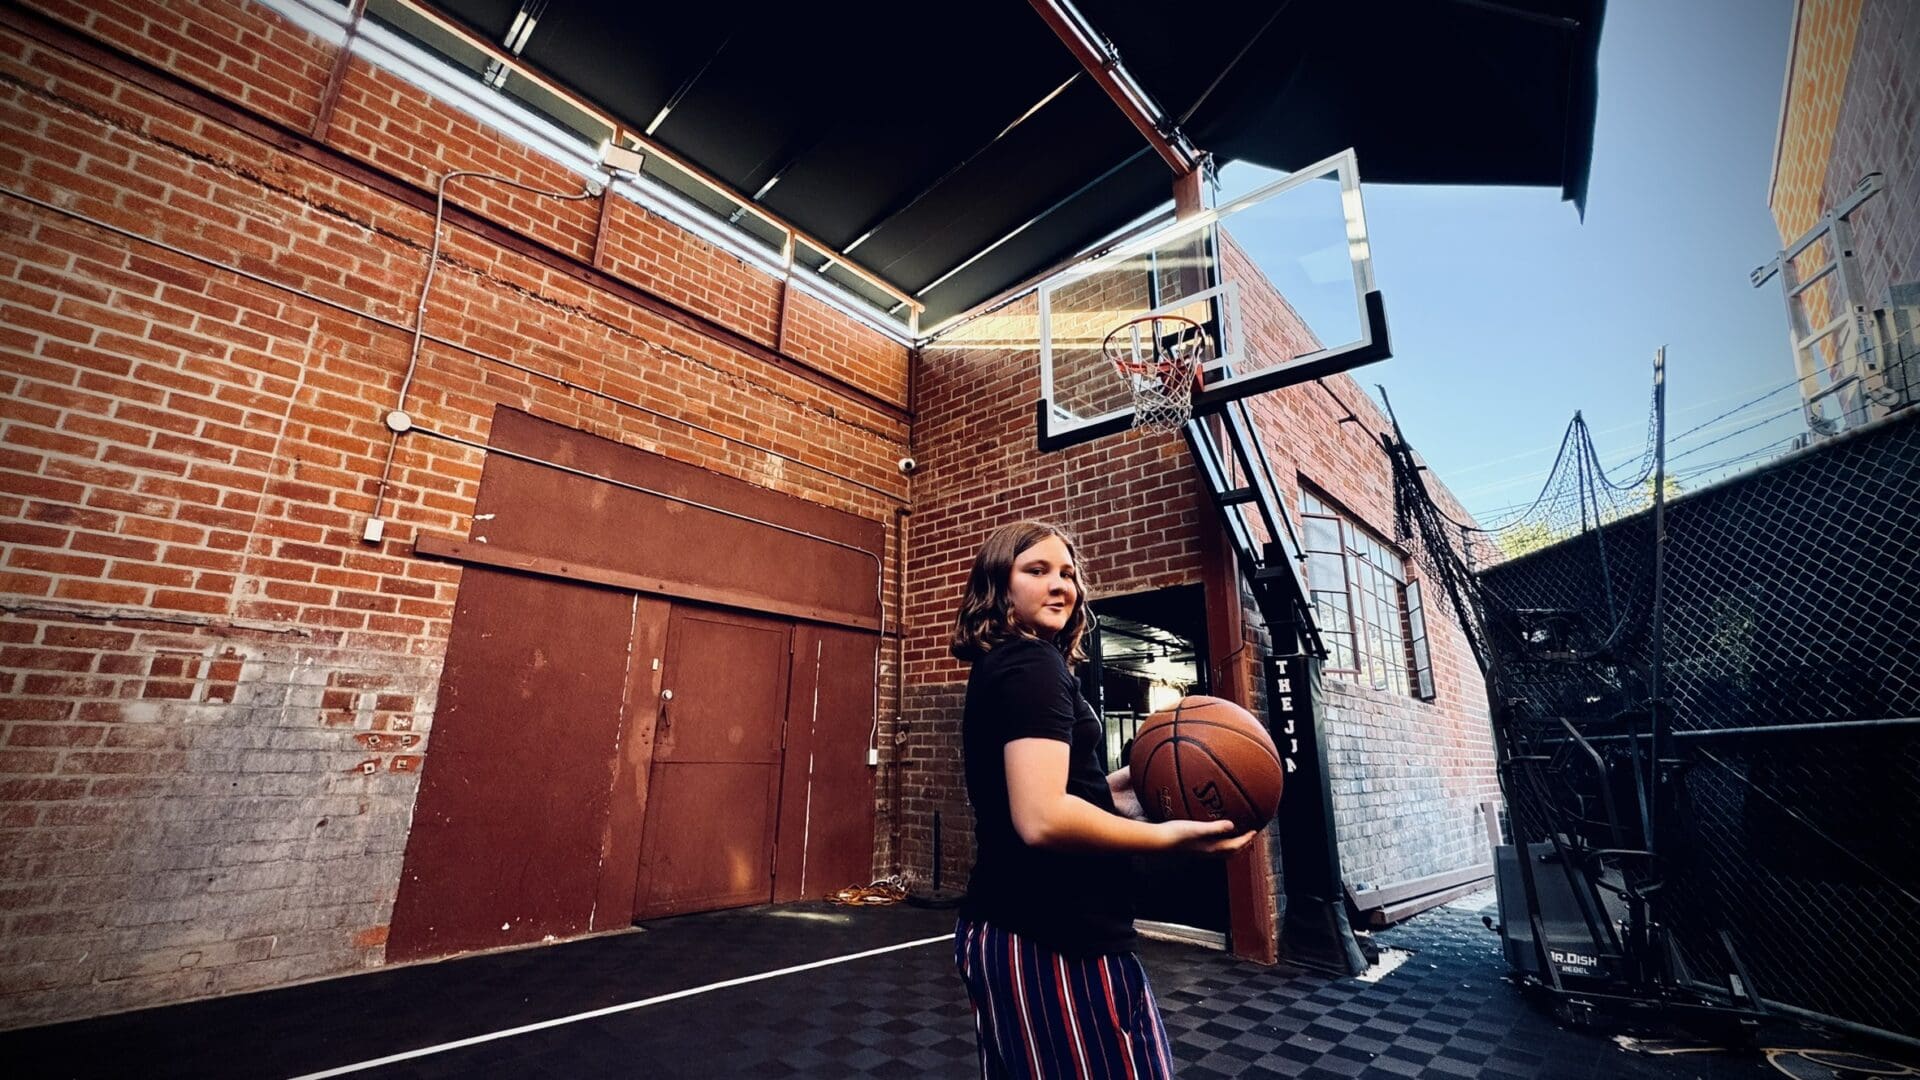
x=892 y=119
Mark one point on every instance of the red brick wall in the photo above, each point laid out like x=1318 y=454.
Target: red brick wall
x=854 y=352
x=244 y=53
x=216 y=696
x=1407 y=774
x=1127 y=501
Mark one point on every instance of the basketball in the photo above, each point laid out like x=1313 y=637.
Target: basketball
x=1205 y=759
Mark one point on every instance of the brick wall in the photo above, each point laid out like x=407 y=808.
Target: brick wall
x=1877 y=129
x=1852 y=108
x=216 y=696
x=1823 y=49
x=1407 y=775
x=1127 y=501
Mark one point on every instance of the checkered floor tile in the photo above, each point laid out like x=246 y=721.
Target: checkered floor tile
x=1446 y=1012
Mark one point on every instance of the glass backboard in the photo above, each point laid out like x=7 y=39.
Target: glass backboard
x=1281 y=280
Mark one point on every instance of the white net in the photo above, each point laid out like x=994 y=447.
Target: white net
x=1157 y=357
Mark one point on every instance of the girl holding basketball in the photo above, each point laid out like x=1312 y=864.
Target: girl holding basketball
x=1045 y=937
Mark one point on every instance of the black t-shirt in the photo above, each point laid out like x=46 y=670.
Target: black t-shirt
x=1078 y=903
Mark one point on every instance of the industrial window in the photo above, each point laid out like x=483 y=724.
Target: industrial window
x=1370 y=614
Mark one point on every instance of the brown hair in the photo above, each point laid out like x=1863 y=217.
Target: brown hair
x=986 y=612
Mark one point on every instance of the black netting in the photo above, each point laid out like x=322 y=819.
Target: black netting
x=1774 y=634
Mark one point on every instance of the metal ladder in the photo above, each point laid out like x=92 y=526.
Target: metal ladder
x=1839 y=348
x=1241 y=481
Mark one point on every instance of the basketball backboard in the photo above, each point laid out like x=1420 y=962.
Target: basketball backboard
x=1281 y=278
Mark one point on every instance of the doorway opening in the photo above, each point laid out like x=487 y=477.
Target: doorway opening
x=1149 y=653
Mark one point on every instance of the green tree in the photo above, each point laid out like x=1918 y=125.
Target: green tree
x=1646 y=491
x=1517 y=540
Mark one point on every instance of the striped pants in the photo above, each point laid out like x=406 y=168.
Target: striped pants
x=1038 y=1014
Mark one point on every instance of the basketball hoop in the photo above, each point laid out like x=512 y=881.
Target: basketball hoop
x=1159 y=356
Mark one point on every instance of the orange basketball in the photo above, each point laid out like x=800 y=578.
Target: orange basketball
x=1205 y=759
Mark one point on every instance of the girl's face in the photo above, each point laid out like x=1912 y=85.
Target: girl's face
x=1045 y=587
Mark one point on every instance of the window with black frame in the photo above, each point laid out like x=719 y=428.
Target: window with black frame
x=1369 y=612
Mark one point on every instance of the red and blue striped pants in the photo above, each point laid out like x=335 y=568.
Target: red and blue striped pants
x=1038 y=1014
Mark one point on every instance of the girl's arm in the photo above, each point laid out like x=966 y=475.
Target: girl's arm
x=1046 y=816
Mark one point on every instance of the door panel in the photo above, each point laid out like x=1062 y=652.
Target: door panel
x=710 y=838
x=509 y=821
x=620 y=853
x=715 y=778
x=826 y=799
x=728 y=674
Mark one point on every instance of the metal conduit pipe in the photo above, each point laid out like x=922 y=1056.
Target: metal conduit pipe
x=590 y=190
x=901 y=514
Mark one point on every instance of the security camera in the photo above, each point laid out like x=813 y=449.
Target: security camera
x=907 y=466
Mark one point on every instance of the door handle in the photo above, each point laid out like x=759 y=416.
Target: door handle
x=666 y=698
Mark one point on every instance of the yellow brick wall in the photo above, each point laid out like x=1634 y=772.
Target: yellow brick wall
x=1816 y=84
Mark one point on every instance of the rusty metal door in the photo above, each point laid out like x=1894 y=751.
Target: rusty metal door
x=826 y=799
x=510 y=820
x=714 y=789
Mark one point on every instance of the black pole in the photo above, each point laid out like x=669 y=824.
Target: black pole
x=1313 y=928
x=1657 y=705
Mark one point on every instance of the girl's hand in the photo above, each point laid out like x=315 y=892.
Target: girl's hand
x=1207 y=837
x=1125 y=801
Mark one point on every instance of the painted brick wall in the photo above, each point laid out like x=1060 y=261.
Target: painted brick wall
x=1816 y=83
x=1407 y=774
x=1877 y=129
x=214 y=698
x=1852 y=108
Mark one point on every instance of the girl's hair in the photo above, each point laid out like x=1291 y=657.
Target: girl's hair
x=986 y=612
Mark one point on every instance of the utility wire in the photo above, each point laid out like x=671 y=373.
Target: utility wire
x=1789 y=384
x=1771 y=449
x=1789 y=411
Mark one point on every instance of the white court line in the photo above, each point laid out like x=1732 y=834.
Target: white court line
x=611 y=1009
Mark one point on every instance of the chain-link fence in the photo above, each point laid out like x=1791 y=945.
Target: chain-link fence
x=1776 y=633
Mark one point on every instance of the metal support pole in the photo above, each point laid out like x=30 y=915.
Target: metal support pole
x=1656 y=688
x=1314 y=930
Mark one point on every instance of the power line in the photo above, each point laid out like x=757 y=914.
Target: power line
x=1789 y=411
x=1737 y=408
x=1640 y=457
x=1771 y=449
x=1490 y=462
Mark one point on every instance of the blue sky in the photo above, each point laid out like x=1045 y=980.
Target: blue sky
x=1509 y=313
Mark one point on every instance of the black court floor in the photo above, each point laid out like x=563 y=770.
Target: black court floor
x=711 y=996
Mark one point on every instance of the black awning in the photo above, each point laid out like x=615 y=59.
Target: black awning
x=1425 y=91
x=895 y=125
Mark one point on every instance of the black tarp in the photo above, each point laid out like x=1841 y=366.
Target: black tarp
x=892 y=119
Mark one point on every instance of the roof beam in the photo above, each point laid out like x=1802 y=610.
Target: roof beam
x=686 y=86
x=1100 y=60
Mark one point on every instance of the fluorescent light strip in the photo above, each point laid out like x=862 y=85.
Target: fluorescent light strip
x=392 y=52
x=521 y=30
